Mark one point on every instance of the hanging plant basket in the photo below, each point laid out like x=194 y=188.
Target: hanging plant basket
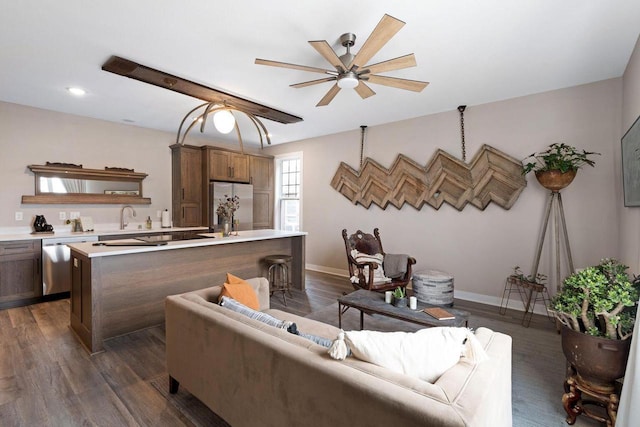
x=555 y=180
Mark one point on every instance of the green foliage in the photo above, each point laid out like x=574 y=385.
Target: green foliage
x=540 y=278
x=596 y=301
x=399 y=293
x=559 y=156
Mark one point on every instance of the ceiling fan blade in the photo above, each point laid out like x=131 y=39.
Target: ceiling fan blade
x=313 y=82
x=294 y=66
x=382 y=33
x=328 y=97
x=363 y=90
x=390 y=65
x=413 y=85
x=328 y=53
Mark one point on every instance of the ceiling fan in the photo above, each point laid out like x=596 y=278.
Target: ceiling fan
x=350 y=70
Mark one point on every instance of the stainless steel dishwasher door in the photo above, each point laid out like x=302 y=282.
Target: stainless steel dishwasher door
x=56 y=263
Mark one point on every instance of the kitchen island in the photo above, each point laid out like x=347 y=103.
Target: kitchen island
x=120 y=289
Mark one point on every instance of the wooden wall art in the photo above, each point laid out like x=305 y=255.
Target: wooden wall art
x=492 y=176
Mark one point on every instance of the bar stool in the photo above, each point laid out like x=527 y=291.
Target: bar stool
x=278 y=275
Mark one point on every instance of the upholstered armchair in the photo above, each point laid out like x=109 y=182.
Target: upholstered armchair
x=370 y=268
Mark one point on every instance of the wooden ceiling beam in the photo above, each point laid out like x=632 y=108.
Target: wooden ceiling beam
x=133 y=70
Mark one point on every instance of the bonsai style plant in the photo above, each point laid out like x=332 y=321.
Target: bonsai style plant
x=556 y=167
x=595 y=300
x=596 y=307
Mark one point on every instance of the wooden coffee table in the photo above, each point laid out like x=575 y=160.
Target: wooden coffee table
x=373 y=303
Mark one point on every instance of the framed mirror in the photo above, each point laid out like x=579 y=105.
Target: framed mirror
x=71 y=184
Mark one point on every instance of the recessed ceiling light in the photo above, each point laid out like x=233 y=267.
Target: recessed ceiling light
x=77 y=91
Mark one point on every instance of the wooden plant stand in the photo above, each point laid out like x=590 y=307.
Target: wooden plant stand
x=579 y=398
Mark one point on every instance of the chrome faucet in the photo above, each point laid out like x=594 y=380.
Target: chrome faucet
x=122 y=223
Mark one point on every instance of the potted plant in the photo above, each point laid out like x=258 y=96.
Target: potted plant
x=596 y=307
x=518 y=278
x=556 y=167
x=399 y=297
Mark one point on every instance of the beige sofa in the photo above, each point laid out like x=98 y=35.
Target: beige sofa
x=253 y=374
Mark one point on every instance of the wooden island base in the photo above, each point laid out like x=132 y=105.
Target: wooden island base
x=121 y=293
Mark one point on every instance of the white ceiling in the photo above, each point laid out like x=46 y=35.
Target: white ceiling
x=472 y=52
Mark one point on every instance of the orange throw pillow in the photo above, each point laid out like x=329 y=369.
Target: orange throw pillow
x=241 y=291
x=234 y=279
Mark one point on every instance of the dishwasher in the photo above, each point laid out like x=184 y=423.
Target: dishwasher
x=56 y=263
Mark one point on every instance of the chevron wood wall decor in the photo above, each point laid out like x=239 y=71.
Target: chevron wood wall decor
x=492 y=176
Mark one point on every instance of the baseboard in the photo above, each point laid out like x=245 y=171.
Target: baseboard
x=328 y=270
x=514 y=303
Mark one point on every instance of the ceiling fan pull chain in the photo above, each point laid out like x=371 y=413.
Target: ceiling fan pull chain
x=461 y=108
x=363 y=127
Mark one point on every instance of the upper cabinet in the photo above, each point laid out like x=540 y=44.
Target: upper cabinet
x=228 y=166
x=186 y=185
x=64 y=183
x=261 y=169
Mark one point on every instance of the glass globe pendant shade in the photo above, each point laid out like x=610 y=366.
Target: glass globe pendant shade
x=224 y=121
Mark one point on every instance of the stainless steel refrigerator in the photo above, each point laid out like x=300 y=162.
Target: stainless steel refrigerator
x=244 y=214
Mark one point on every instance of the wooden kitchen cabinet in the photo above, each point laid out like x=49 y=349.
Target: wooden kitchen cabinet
x=81 y=315
x=261 y=176
x=20 y=271
x=187 y=184
x=228 y=166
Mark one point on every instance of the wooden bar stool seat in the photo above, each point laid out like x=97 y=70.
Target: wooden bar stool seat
x=278 y=275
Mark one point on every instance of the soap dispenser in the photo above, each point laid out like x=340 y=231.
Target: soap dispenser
x=149 y=222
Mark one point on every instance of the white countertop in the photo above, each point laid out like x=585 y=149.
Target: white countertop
x=106 y=232
x=91 y=251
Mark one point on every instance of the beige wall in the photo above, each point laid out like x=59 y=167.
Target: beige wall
x=629 y=218
x=35 y=136
x=479 y=248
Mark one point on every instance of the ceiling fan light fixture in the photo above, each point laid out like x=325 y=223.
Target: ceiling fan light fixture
x=224 y=121
x=348 y=81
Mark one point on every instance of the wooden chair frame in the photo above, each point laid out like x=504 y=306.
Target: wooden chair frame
x=371 y=244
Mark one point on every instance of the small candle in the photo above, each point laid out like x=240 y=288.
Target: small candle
x=413 y=303
x=387 y=297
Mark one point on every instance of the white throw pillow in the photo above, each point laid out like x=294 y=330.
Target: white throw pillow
x=425 y=354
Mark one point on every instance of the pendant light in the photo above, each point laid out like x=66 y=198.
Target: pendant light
x=224 y=121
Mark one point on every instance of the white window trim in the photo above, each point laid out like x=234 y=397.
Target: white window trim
x=278 y=195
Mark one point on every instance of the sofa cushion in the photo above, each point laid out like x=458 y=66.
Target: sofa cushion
x=425 y=354
x=240 y=291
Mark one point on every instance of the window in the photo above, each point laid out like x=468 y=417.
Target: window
x=289 y=190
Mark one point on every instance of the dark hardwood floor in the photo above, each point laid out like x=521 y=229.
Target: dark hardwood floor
x=48 y=379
